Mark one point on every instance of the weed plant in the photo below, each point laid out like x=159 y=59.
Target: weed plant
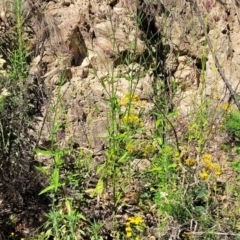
x=18 y=103
x=18 y=56
x=126 y=123
x=63 y=176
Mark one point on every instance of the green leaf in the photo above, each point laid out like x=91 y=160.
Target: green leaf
x=44 y=152
x=159 y=122
x=49 y=232
x=100 y=168
x=159 y=141
x=56 y=179
x=80 y=216
x=58 y=158
x=123 y=158
x=156 y=169
x=42 y=170
x=99 y=188
x=47 y=189
x=172 y=166
x=56 y=127
x=236 y=165
x=200 y=208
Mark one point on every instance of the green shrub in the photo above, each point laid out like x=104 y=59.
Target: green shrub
x=232 y=123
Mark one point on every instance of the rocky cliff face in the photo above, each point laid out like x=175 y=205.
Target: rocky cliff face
x=87 y=40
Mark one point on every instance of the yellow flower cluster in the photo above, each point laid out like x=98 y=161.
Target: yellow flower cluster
x=128 y=231
x=204 y=175
x=137 y=221
x=190 y=162
x=134 y=220
x=131 y=148
x=209 y=167
x=132 y=119
x=134 y=102
x=149 y=149
x=132 y=99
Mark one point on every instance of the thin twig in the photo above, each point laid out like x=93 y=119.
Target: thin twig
x=215 y=233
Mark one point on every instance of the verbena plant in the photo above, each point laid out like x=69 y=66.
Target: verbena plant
x=126 y=124
x=63 y=220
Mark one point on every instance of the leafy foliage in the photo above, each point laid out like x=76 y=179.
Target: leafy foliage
x=232 y=123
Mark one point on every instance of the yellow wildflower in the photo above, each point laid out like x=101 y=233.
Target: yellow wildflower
x=132 y=119
x=218 y=170
x=123 y=102
x=206 y=157
x=130 y=147
x=206 y=160
x=137 y=238
x=138 y=220
x=128 y=98
x=135 y=98
x=149 y=149
x=131 y=219
x=190 y=162
x=127 y=224
x=132 y=99
x=209 y=166
x=135 y=220
x=204 y=175
x=128 y=231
